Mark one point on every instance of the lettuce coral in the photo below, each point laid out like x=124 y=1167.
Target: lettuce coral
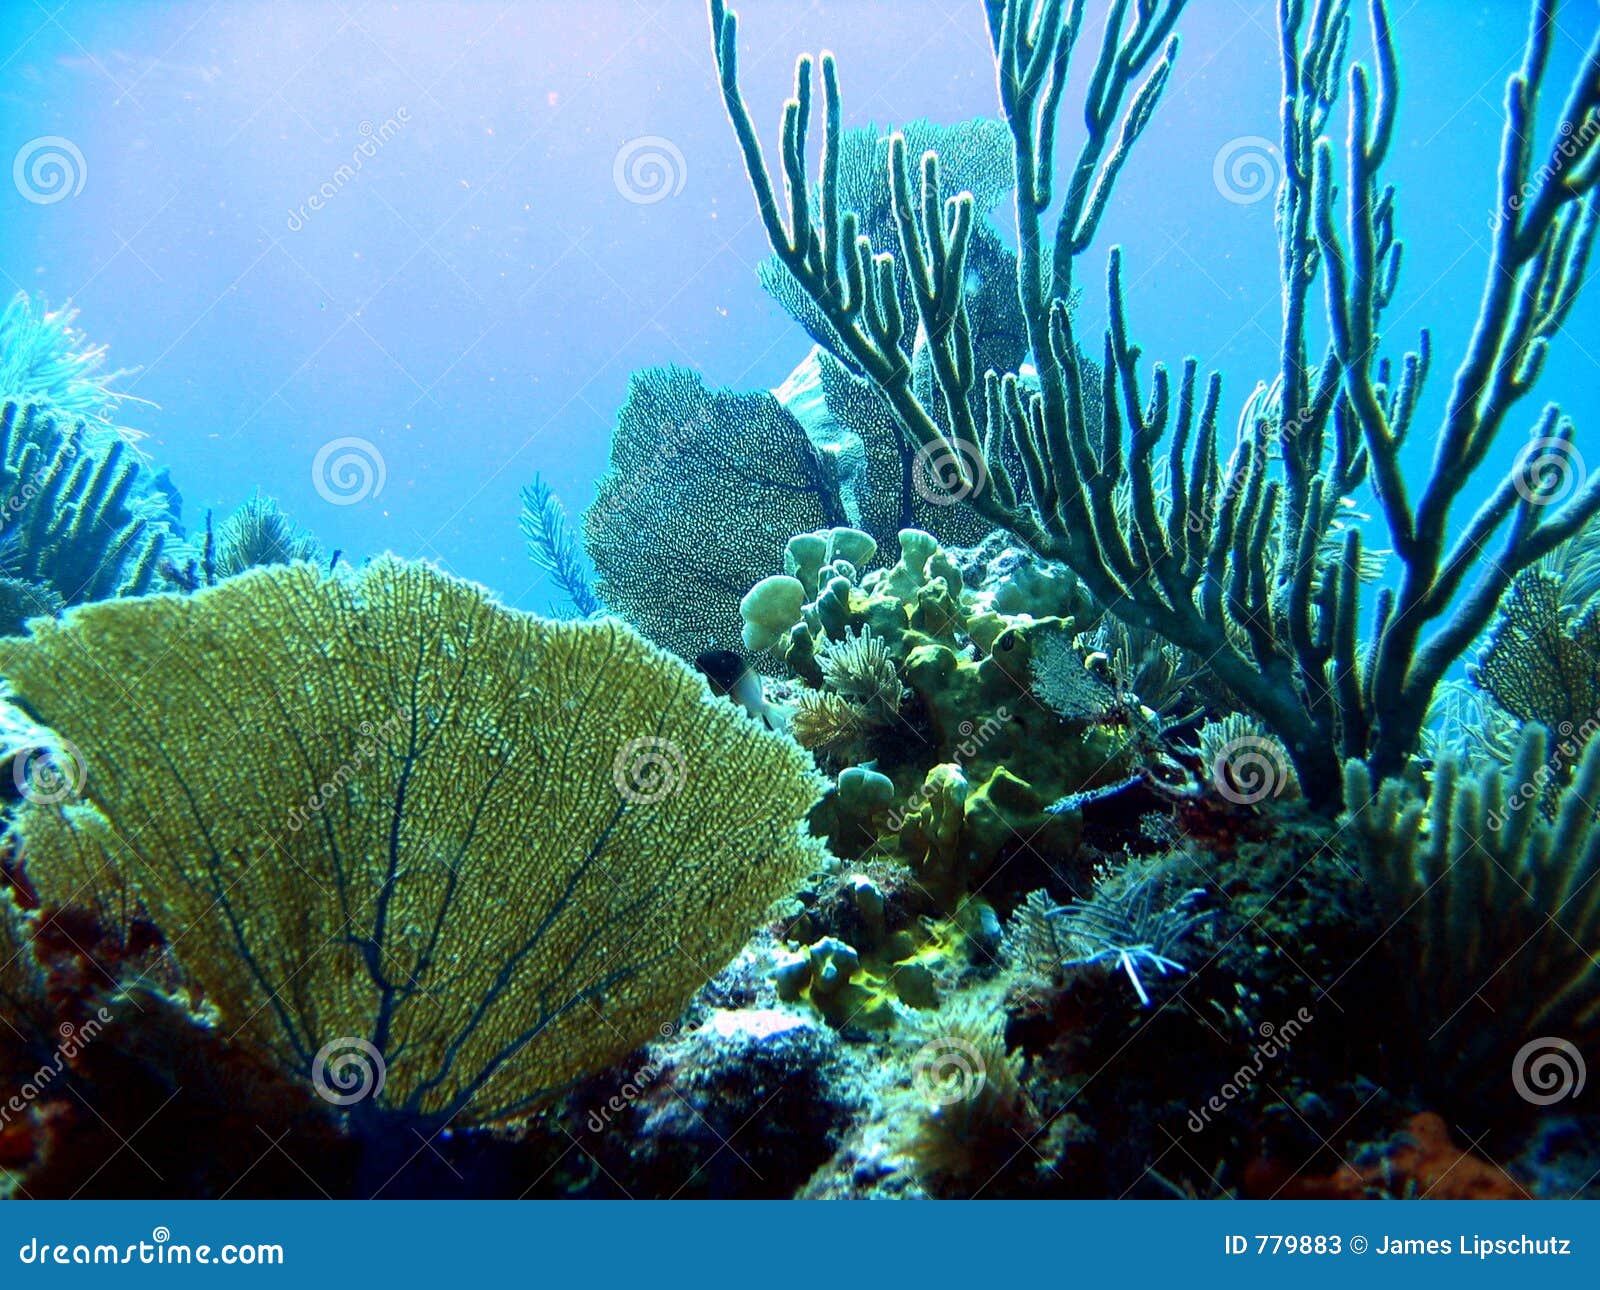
x=929 y=680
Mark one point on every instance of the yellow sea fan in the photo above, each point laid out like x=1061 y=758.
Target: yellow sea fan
x=393 y=830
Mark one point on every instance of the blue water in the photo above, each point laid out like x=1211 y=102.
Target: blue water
x=473 y=299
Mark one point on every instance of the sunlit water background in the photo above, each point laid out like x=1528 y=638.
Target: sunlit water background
x=472 y=299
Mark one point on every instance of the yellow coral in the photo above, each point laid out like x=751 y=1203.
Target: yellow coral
x=495 y=851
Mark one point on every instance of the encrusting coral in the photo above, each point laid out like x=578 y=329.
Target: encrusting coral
x=1419 y=1162
x=924 y=679
x=1231 y=563
x=388 y=824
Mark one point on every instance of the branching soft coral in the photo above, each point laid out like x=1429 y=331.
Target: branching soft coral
x=1230 y=561
x=45 y=359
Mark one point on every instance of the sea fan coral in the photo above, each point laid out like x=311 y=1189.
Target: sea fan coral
x=1062 y=679
x=465 y=854
x=258 y=534
x=1541 y=661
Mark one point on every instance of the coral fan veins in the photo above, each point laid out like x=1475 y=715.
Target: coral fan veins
x=384 y=809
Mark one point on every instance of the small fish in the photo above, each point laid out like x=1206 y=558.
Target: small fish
x=732 y=676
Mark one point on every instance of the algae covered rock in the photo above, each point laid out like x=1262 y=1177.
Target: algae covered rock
x=746 y=1103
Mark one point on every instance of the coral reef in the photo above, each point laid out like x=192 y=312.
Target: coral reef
x=930 y=687
x=477 y=856
x=705 y=487
x=957 y=1123
x=1249 y=566
x=90 y=1064
x=991 y=847
x=977 y=157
